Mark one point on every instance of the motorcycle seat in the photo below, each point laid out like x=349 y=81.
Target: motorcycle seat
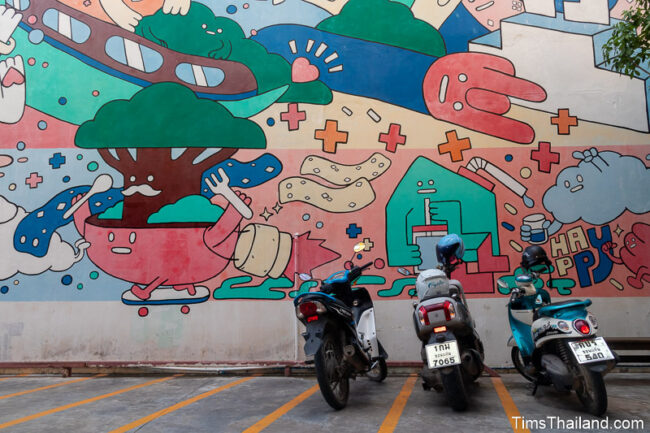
x=320 y=296
x=551 y=309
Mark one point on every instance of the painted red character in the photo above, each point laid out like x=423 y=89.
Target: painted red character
x=634 y=254
x=171 y=254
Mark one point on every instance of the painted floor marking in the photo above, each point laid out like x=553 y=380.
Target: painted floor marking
x=15 y=375
x=182 y=404
x=273 y=416
x=79 y=403
x=393 y=416
x=508 y=405
x=42 y=388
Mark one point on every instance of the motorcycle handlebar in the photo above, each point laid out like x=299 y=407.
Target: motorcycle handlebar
x=355 y=272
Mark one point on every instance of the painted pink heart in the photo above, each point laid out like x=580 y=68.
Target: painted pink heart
x=302 y=71
x=13 y=76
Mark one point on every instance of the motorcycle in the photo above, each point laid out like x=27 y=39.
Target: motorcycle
x=341 y=334
x=561 y=347
x=452 y=350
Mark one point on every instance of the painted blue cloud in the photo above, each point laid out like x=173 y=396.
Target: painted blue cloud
x=600 y=188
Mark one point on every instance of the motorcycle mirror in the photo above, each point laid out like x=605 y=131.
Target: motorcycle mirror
x=359 y=247
x=501 y=283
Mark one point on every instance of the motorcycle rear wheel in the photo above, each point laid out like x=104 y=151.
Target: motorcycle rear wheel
x=591 y=390
x=328 y=362
x=455 y=391
x=518 y=361
x=378 y=373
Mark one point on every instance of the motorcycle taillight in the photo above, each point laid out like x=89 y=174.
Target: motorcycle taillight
x=447 y=307
x=423 y=315
x=582 y=326
x=310 y=309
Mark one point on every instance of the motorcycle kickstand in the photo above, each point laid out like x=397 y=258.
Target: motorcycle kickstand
x=535 y=385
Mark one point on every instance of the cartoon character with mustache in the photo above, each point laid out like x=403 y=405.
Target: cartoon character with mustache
x=177 y=254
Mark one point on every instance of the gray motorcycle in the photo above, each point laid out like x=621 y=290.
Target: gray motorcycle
x=451 y=348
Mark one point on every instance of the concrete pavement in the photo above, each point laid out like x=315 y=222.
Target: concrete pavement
x=273 y=404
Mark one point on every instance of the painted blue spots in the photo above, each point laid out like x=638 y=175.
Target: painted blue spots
x=244 y=174
x=34 y=232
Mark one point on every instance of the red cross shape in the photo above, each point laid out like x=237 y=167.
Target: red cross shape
x=33 y=180
x=454 y=146
x=293 y=117
x=331 y=136
x=393 y=137
x=564 y=121
x=544 y=157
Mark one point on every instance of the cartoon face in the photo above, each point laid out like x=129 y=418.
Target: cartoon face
x=636 y=250
x=199 y=32
x=119 y=246
x=140 y=255
x=139 y=184
x=575 y=186
x=426 y=187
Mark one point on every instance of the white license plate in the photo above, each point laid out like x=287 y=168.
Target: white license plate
x=593 y=350
x=442 y=354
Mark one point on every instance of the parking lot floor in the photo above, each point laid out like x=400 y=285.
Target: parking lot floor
x=275 y=404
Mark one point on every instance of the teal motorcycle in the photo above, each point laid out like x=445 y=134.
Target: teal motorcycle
x=561 y=347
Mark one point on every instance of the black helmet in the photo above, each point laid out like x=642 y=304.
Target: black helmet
x=534 y=255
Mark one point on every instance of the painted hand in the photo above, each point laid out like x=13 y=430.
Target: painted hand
x=175 y=7
x=121 y=14
x=538 y=235
x=412 y=255
x=472 y=90
x=12 y=89
x=9 y=20
x=221 y=187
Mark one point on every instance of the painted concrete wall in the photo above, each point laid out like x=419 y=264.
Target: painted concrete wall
x=173 y=175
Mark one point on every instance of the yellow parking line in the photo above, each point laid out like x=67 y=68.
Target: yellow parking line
x=391 y=420
x=508 y=406
x=15 y=375
x=67 y=382
x=79 y=403
x=177 y=406
x=273 y=416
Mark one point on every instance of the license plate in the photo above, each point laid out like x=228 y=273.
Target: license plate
x=594 y=350
x=442 y=354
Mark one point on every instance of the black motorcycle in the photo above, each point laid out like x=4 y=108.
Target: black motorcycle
x=341 y=335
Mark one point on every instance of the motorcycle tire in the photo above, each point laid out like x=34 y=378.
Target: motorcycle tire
x=378 y=373
x=518 y=361
x=591 y=390
x=455 y=391
x=328 y=362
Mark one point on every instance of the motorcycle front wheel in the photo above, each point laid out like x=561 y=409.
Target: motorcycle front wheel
x=333 y=383
x=591 y=390
x=380 y=371
x=518 y=361
x=454 y=386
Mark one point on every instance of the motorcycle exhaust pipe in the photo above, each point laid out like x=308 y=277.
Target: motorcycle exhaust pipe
x=470 y=362
x=350 y=356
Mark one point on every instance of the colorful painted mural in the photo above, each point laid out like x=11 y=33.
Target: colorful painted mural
x=177 y=152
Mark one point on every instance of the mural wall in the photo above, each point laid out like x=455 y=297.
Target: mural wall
x=175 y=154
